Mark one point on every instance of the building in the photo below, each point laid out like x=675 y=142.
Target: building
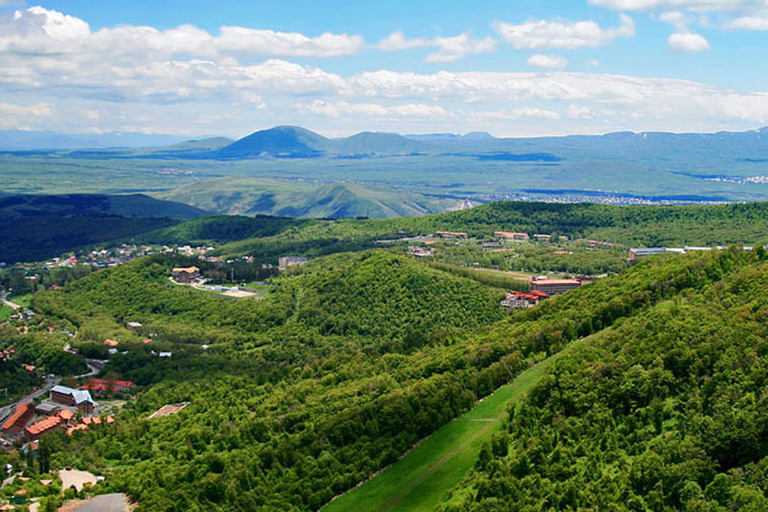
x=132 y=326
x=103 y=386
x=449 y=235
x=42 y=427
x=634 y=254
x=19 y=418
x=420 y=252
x=290 y=261
x=79 y=398
x=554 y=286
x=511 y=235
x=519 y=300
x=185 y=275
x=542 y=238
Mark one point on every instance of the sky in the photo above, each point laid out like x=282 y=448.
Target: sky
x=512 y=68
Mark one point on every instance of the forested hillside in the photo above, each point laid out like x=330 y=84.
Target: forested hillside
x=631 y=225
x=332 y=376
x=667 y=411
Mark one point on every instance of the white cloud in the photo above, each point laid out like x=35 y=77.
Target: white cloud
x=757 y=21
x=41 y=31
x=449 y=49
x=518 y=113
x=547 y=61
x=533 y=35
x=699 y=5
x=688 y=43
x=343 y=108
x=677 y=19
x=593 y=63
x=19 y=116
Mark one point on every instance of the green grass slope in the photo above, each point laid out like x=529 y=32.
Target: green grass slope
x=250 y=196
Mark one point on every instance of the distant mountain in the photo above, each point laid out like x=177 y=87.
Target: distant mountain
x=450 y=136
x=369 y=143
x=281 y=141
x=16 y=140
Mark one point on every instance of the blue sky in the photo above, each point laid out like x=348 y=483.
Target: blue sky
x=521 y=68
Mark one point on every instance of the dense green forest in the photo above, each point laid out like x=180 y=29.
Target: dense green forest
x=333 y=375
x=629 y=225
x=666 y=411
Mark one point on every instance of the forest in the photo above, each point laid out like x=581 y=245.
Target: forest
x=664 y=411
x=343 y=367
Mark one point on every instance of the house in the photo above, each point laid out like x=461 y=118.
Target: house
x=554 y=286
x=111 y=343
x=79 y=398
x=518 y=300
x=19 y=418
x=542 y=238
x=448 y=235
x=132 y=326
x=511 y=235
x=185 y=275
x=290 y=261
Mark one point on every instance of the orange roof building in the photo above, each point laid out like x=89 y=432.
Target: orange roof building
x=39 y=429
x=19 y=418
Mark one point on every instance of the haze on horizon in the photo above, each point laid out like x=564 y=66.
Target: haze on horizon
x=553 y=67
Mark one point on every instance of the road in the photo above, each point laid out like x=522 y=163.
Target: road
x=94 y=367
x=104 y=503
x=10 y=304
x=8 y=409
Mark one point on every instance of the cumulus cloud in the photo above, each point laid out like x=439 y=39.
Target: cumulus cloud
x=41 y=31
x=17 y=116
x=688 y=43
x=533 y=35
x=547 y=61
x=449 y=49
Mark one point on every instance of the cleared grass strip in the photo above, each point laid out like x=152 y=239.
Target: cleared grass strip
x=422 y=479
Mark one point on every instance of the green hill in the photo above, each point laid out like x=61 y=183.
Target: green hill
x=38 y=227
x=665 y=412
x=250 y=196
x=329 y=378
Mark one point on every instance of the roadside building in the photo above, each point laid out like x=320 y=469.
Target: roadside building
x=554 y=286
x=79 y=398
x=185 y=275
x=20 y=417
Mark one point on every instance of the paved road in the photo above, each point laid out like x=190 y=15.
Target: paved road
x=104 y=503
